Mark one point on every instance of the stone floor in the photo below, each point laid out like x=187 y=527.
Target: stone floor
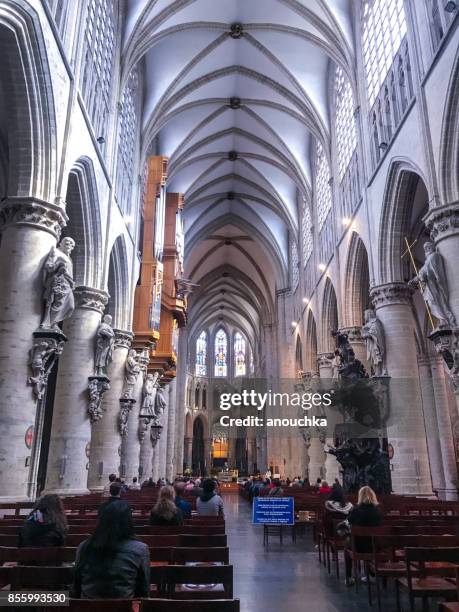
x=287 y=577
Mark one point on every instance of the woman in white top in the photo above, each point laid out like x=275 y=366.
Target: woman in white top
x=209 y=503
x=337 y=502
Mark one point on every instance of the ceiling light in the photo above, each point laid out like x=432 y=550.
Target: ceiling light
x=294 y=324
x=305 y=300
x=346 y=221
x=322 y=267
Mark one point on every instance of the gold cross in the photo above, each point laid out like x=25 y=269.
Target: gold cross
x=408 y=251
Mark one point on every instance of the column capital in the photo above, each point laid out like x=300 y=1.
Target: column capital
x=123 y=338
x=390 y=293
x=33 y=212
x=354 y=333
x=90 y=299
x=324 y=359
x=443 y=221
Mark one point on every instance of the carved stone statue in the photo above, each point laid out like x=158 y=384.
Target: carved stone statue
x=42 y=357
x=58 y=284
x=160 y=402
x=131 y=372
x=432 y=282
x=149 y=395
x=104 y=346
x=96 y=389
x=373 y=334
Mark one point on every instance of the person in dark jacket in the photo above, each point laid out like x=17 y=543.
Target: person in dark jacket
x=184 y=506
x=112 y=563
x=165 y=512
x=46 y=525
x=115 y=495
x=365 y=514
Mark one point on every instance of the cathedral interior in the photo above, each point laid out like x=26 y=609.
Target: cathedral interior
x=199 y=197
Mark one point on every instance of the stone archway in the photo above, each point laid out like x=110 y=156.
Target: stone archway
x=198 y=460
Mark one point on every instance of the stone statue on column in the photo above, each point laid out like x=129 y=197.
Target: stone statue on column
x=149 y=390
x=58 y=285
x=160 y=403
x=96 y=388
x=42 y=357
x=432 y=282
x=373 y=334
x=131 y=373
x=105 y=341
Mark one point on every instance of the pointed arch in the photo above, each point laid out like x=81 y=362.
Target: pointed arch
x=84 y=224
x=27 y=93
x=449 y=144
x=356 y=283
x=329 y=316
x=240 y=354
x=311 y=343
x=118 y=284
x=201 y=354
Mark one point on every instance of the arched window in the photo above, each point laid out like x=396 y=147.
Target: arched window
x=98 y=57
x=306 y=232
x=221 y=353
x=384 y=26
x=239 y=355
x=346 y=138
x=294 y=262
x=128 y=119
x=201 y=354
x=323 y=189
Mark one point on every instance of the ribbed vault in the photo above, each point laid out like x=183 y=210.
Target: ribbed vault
x=235 y=93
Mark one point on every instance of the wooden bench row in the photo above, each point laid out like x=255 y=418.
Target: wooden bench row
x=151 y=540
x=179 y=555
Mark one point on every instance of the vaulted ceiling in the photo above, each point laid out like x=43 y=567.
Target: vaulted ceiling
x=235 y=91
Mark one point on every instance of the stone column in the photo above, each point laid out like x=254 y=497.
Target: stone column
x=188 y=448
x=171 y=471
x=105 y=433
x=30 y=227
x=331 y=465
x=406 y=429
x=181 y=400
x=146 y=452
x=445 y=432
x=71 y=428
x=130 y=443
x=160 y=450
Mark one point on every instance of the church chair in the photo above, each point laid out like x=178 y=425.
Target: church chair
x=200 y=605
x=186 y=554
x=203 y=529
x=449 y=606
x=159 y=530
x=161 y=555
x=37 y=556
x=203 y=540
x=161 y=541
x=166 y=579
x=46 y=578
x=75 y=539
x=425 y=582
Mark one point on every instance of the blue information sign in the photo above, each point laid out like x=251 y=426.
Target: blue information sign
x=273 y=511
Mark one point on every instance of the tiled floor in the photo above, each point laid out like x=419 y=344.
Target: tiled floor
x=284 y=578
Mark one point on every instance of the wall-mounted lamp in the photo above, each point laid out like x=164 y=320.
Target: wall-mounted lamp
x=322 y=267
x=346 y=221
x=101 y=140
x=450 y=6
x=305 y=300
x=383 y=145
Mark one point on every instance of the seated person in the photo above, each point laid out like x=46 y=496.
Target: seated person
x=112 y=563
x=135 y=486
x=209 y=503
x=165 y=512
x=111 y=480
x=276 y=489
x=365 y=514
x=115 y=495
x=324 y=489
x=337 y=502
x=46 y=524
x=184 y=506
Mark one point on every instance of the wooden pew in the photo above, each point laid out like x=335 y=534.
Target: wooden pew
x=167 y=577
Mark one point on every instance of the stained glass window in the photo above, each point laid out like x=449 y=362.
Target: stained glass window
x=98 y=59
x=323 y=189
x=201 y=355
x=239 y=355
x=346 y=138
x=294 y=262
x=306 y=231
x=384 y=27
x=221 y=353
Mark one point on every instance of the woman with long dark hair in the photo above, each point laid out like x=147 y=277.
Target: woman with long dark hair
x=209 y=503
x=112 y=563
x=46 y=524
